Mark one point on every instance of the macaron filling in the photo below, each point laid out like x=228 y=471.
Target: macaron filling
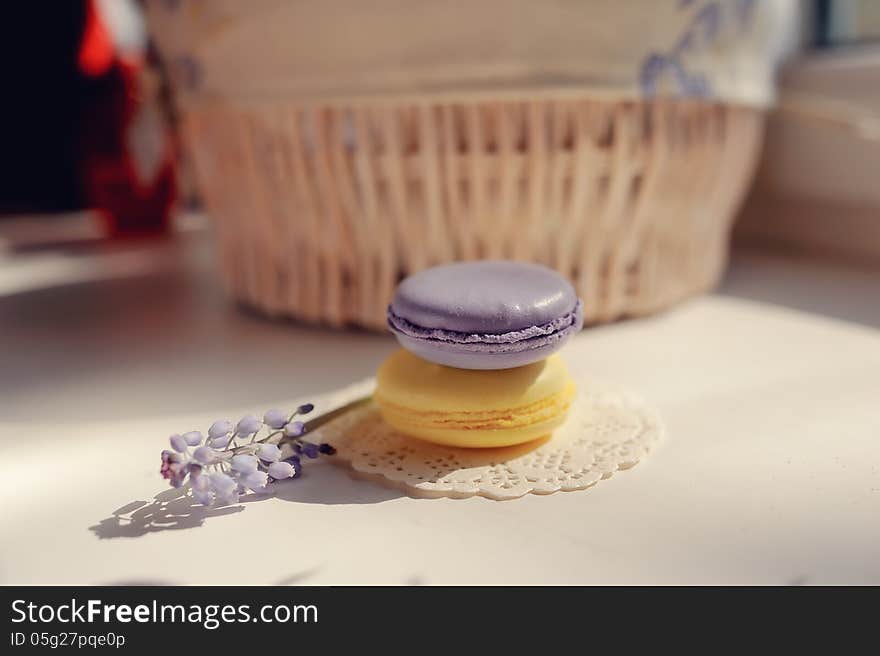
x=512 y=341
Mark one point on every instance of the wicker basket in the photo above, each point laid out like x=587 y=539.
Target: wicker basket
x=337 y=156
x=632 y=201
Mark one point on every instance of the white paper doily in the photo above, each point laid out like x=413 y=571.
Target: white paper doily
x=607 y=430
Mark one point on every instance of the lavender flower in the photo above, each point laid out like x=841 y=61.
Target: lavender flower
x=178 y=443
x=218 y=467
x=248 y=425
x=269 y=453
x=294 y=429
x=200 y=483
x=173 y=468
x=244 y=464
x=205 y=455
x=279 y=470
x=221 y=428
x=223 y=483
x=193 y=438
x=204 y=497
x=275 y=418
x=256 y=481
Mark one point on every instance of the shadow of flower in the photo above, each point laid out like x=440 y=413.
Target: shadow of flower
x=331 y=485
x=297 y=577
x=174 y=510
x=170 y=510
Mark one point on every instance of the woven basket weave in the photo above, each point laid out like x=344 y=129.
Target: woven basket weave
x=343 y=145
x=320 y=209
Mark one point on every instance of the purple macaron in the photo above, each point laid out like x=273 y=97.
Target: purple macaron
x=485 y=315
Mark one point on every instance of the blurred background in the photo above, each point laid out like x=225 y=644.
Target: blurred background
x=296 y=160
x=95 y=147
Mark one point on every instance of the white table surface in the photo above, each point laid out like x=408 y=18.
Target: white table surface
x=770 y=472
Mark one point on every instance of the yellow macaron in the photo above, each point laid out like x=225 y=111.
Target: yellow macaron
x=473 y=408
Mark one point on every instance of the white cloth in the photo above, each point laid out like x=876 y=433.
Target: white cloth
x=311 y=49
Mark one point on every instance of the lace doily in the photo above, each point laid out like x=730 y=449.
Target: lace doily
x=607 y=430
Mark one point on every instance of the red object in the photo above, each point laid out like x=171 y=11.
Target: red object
x=96 y=52
x=128 y=160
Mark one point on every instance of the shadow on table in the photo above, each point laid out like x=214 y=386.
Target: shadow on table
x=330 y=485
x=171 y=510
x=174 y=510
x=295 y=578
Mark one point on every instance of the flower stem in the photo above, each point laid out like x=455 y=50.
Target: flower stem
x=327 y=417
x=311 y=425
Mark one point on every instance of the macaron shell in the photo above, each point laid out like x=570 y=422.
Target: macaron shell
x=452 y=355
x=472 y=408
x=505 y=429
x=488 y=296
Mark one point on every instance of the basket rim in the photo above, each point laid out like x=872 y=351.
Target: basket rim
x=190 y=101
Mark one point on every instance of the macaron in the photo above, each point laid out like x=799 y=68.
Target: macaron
x=485 y=315
x=473 y=408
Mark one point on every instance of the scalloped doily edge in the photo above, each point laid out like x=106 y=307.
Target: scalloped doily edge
x=651 y=422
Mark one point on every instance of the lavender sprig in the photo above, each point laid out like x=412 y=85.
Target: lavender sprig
x=230 y=460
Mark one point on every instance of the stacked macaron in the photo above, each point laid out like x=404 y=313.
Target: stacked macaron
x=479 y=366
